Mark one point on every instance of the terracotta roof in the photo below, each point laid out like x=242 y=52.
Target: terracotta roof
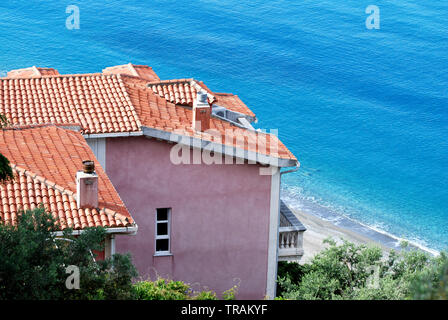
x=184 y=91
x=122 y=102
x=144 y=72
x=179 y=91
x=99 y=103
x=232 y=102
x=32 y=72
x=156 y=112
x=45 y=160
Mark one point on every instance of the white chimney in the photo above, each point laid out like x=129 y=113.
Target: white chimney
x=201 y=112
x=87 y=186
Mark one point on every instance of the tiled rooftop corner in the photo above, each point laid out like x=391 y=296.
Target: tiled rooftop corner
x=45 y=159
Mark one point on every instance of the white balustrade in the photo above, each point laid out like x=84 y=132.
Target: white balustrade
x=290 y=244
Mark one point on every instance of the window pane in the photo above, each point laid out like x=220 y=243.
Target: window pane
x=162 y=245
x=162 y=214
x=162 y=229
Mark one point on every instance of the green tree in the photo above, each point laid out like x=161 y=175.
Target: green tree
x=5 y=169
x=350 y=271
x=166 y=289
x=33 y=262
x=432 y=283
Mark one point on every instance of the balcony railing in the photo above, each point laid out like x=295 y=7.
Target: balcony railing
x=290 y=242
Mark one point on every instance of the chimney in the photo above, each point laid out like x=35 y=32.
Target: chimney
x=201 y=112
x=87 y=186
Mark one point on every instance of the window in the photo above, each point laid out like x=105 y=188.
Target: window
x=163 y=230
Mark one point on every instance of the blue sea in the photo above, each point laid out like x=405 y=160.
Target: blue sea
x=364 y=110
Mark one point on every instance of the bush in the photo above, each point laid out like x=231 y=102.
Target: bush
x=205 y=295
x=350 y=271
x=161 y=289
x=231 y=293
x=164 y=289
x=33 y=266
x=432 y=283
x=6 y=173
x=33 y=262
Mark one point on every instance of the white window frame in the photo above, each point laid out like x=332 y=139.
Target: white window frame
x=161 y=237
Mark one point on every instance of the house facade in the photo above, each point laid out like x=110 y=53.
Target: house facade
x=200 y=181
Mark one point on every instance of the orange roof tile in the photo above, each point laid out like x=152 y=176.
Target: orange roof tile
x=99 y=103
x=45 y=160
x=178 y=91
x=158 y=113
x=183 y=92
x=125 y=100
x=144 y=72
x=32 y=72
x=232 y=102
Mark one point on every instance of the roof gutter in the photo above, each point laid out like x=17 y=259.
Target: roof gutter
x=123 y=230
x=113 y=134
x=292 y=170
x=220 y=148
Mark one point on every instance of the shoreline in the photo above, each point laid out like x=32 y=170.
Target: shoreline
x=319 y=229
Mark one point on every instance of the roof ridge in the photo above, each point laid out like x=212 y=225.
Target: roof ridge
x=225 y=94
x=171 y=81
x=42 y=180
x=36 y=70
x=196 y=84
x=41 y=125
x=129 y=100
x=60 y=76
x=132 y=69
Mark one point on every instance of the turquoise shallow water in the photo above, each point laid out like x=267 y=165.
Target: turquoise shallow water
x=365 y=111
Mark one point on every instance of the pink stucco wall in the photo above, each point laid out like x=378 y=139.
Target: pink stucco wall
x=220 y=216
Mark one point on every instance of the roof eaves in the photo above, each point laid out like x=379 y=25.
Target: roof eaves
x=198 y=88
x=130 y=230
x=219 y=148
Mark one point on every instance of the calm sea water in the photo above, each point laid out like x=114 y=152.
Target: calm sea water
x=365 y=111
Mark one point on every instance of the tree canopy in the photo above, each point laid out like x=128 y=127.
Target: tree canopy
x=353 y=272
x=34 y=262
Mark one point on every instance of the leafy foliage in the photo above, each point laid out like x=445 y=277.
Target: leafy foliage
x=350 y=271
x=3 y=121
x=432 y=283
x=164 y=289
x=33 y=265
x=205 y=295
x=231 y=293
x=5 y=168
x=33 y=262
x=6 y=173
x=161 y=289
